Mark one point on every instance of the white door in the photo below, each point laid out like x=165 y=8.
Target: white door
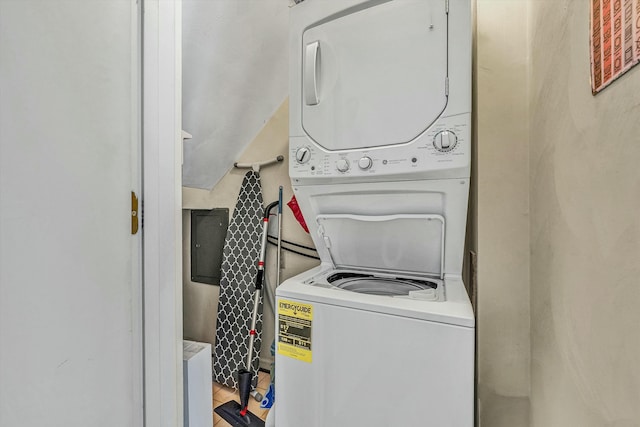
x=375 y=75
x=70 y=288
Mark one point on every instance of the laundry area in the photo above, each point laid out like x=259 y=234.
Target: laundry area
x=367 y=164
x=319 y=213
x=352 y=278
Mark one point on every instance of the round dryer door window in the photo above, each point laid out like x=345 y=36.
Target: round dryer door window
x=375 y=75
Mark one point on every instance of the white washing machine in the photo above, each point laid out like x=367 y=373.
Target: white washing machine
x=381 y=333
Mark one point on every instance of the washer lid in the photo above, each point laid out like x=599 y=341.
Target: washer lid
x=375 y=75
x=392 y=243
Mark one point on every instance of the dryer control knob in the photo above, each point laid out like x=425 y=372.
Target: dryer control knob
x=303 y=155
x=365 y=163
x=342 y=165
x=445 y=141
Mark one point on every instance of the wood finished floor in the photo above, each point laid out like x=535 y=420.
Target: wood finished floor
x=222 y=394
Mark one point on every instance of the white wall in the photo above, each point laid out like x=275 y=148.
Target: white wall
x=201 y=300
x=502 y=204
x=235 y=67
x=585 y=230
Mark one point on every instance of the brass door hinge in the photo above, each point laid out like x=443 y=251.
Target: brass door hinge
x=134 y=213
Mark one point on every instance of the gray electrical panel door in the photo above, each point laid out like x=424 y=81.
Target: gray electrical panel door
x=208 y=231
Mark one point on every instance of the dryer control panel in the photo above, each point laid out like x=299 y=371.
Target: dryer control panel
x=443 y=147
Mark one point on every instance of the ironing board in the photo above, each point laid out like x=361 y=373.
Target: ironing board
x=239 y=268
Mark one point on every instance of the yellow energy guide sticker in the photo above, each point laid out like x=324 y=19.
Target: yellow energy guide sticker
x=294 y=330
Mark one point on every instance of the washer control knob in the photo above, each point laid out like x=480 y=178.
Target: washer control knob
x=365 y=163
x=303 y=155
x=342 y=165
x=445 y=141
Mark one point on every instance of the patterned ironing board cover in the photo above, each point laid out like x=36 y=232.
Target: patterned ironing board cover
x=239 y=269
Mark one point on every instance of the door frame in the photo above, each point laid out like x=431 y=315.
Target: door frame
x=162 y=214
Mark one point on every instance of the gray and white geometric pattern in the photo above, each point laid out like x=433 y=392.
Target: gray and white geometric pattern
x=239 y=269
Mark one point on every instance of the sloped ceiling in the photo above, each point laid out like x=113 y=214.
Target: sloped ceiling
x=235 y=75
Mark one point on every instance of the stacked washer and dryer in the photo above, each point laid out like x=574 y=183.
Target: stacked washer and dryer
x=381 y=334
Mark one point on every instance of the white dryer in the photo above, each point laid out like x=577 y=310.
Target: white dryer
x=382 y=332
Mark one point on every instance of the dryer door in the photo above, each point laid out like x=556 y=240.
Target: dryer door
x=375 y=76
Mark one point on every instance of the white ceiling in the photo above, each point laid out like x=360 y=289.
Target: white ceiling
x=235 y=75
